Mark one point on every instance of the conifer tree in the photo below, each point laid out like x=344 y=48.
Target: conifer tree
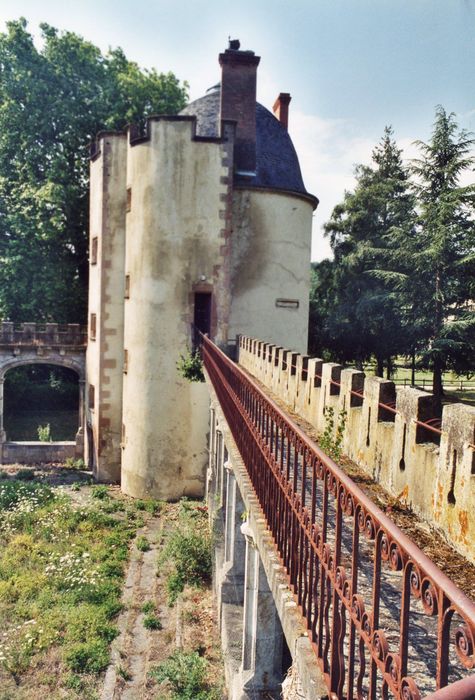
x=433 y=264
x=366 y=318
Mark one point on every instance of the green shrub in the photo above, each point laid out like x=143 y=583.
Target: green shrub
x=72 y=463
x=142 y=544
x=186 y=674
x=152 y=622
x=87 y=657
x=100 y=492
x=25 y=474
x=190 y=552
x=44 y=433
x=190 y=366
x=148 y=607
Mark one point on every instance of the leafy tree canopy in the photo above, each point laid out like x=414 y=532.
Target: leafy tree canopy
x=53 y=101
x=402 y=280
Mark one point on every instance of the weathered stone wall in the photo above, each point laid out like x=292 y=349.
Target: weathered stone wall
x=270 y=273
x=105 y=352
x=37 y=452
x=436 y=480
x=177 y=233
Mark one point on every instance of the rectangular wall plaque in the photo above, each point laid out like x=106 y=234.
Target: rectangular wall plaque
x=287 y=303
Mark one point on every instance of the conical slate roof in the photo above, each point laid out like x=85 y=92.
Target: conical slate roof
x=277 y=163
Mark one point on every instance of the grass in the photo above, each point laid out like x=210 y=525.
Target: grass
x=142 y=544
x=152 y=622
x=185 y=674
x=187 y=553
x=61 y=572
x=423 y=379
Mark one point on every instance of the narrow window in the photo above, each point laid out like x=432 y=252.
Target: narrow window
x=128 y=205
x=202 y=316
x=92 y=327
x=127 y=287
x=94 y=251
x=126 y=361
x=91 y=396
x=122 y=436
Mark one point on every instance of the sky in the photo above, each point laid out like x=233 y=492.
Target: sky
x=351 y=66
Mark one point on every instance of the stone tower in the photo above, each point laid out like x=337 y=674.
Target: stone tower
x=203 y=220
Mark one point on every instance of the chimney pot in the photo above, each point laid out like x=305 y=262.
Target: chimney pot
x=281 y=109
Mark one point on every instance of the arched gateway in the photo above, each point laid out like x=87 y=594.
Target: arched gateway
x=52 y=344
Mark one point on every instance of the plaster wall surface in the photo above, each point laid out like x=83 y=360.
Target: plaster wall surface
x=270 y=262
x=436 y=480
x=175 y=245
x=106 y=301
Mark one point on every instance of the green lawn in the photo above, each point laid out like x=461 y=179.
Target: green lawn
x=424 y=381
x=62 y=562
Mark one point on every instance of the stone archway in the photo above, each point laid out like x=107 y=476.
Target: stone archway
x=29 y=344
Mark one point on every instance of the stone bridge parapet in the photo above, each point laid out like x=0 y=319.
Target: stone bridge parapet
x=41 y=343
x=13 y=335
x=424 y=458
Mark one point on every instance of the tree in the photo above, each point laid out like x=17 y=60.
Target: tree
x=52 y=103
x=366 y=319
x=436 y=280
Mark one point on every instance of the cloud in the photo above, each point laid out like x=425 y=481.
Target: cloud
x=328 y=151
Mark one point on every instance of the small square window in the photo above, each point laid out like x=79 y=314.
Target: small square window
x=94 y=251
x=92 y=327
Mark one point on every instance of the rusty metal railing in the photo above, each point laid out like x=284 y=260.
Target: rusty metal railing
x=383 y=620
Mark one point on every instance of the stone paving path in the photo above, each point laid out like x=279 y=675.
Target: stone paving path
x=136 y=649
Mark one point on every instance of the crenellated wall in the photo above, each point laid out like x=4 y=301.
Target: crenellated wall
x=434 y=474
x=49 y=334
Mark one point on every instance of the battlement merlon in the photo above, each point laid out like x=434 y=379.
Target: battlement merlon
x=137 y=134
x=42 y=334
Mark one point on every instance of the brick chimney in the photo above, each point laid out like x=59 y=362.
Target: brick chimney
x=281 y=109
x=238 y=102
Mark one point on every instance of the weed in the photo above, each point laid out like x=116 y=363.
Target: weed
x=76 y=486
x=150 y=506
x=190 y=366
x=100 y=492
x=74 y=682
x=123 y=673
x=331 y=438
x=87 y=657
x=189 y=552
x=142 y=544
x=44 y=433
x=186 y=674
x=151 y=622
x=72 y=463
x=148 y=607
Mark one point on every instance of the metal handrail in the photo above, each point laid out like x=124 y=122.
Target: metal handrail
x=326 y=530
